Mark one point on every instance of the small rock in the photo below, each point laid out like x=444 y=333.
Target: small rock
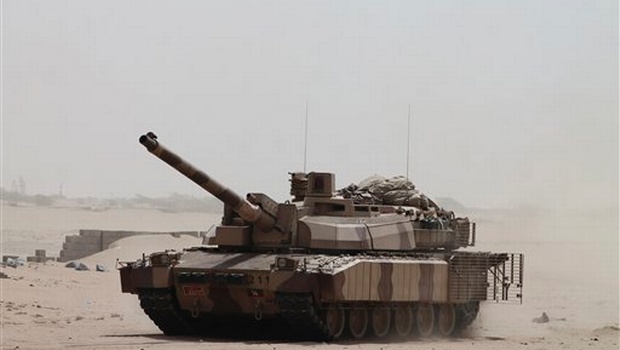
x=3 y=275
x=101 y=268
x=542 y=319
x=71 y=264
x=14 y=263
x=81 y=267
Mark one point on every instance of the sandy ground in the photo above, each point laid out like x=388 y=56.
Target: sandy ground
x=571 y=273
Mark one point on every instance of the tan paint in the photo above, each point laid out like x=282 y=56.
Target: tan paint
x=440 y=283
x=363 y=281
x=405 y=279
x=161 y=276
x=373 y=280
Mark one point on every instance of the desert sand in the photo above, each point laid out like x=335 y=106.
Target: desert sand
x=571 y=273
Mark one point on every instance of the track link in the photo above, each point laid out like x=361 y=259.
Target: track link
x=466 y=314
x=161 y=307
x=300 y=311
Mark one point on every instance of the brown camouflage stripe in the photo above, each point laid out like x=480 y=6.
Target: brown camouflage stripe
x=385 y=282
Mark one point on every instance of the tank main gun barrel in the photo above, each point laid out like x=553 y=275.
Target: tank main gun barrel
x=246 y=210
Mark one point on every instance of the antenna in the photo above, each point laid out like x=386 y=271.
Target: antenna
x=306 y=139
x=408 y=137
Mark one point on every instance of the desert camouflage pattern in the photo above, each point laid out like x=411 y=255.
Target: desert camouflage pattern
x=323 y=265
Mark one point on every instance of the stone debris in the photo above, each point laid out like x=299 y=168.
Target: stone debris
x=101 y=268
x=81 y=267
x=542 y=319
x=71 y=264
x=14 y=263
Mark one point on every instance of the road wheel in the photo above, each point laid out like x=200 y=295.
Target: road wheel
x=446 y=320
x=381 y=321
x=403 y=321
x=335 y=321
x=425 y=320
x=358 y=322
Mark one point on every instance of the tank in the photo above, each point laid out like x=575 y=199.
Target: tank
x=323 y=265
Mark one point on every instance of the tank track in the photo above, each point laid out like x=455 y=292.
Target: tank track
x=466 y=314
x=298 y=310
x=161 y=307
x=300 y=313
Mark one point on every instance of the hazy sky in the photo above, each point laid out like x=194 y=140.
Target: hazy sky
x=513 y=102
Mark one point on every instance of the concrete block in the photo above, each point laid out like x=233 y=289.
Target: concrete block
x=107 y=241
x=118 y=234
x=96 y=247
x=71 y=256
x=90 y=240
x=72 y=238
x=82 y=239
x=37 y=259
x=90 y=233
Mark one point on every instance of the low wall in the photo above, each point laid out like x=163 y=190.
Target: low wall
x=89 y=242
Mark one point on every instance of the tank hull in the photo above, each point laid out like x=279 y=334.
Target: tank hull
x=323 y=296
